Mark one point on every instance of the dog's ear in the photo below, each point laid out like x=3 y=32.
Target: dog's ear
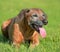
x=22 y=13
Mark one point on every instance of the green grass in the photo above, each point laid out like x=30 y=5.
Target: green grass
x=10 y=8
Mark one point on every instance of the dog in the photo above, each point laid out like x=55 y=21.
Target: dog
x=25 y=26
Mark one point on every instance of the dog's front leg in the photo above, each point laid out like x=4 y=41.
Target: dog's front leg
x=17 y=37
x=34 y=39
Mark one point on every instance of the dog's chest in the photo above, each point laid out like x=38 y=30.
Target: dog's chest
x=28 y=33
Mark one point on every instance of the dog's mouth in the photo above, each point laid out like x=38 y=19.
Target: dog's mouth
x=39 y=29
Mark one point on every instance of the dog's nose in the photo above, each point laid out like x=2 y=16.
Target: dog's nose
x=45 y=22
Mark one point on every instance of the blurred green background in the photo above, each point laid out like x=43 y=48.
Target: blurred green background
x=10 y=8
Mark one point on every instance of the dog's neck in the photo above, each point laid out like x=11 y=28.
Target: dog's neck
x=25 y=28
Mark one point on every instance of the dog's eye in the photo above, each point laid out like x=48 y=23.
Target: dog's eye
x=35 y=15
x=44 y=15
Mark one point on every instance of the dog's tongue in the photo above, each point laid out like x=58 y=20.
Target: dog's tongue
x=42 y=32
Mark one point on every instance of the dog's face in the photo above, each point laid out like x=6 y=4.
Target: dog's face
x=36 y=18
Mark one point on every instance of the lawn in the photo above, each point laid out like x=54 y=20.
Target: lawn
x=10 y=8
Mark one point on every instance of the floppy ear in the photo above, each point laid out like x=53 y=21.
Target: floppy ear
x=22 y=13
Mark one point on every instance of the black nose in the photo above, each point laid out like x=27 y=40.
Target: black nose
x=45 y=22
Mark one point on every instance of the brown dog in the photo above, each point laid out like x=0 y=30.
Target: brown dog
x=25 y=26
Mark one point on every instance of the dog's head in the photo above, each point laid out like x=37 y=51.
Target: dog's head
x=35 y=18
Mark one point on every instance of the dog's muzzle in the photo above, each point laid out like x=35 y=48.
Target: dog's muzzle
x=36 y=24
